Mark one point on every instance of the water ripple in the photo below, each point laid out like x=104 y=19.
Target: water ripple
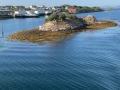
x=87 y=61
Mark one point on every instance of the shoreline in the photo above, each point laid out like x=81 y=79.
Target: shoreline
x=36 y=36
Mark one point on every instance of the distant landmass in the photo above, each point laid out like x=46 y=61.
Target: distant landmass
x=118 y=7
x=80 y=9
x=110 y=7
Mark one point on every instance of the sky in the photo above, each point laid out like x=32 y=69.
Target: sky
x=61 y=2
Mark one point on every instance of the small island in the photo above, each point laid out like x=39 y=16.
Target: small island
x=59 y=26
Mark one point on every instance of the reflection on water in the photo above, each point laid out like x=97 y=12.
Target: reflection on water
x=87 y=61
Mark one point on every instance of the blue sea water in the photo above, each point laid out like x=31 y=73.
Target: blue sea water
x=87 y=61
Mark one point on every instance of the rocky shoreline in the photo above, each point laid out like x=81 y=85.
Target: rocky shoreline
x=47 y=35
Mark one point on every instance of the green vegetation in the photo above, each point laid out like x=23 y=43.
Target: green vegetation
x=60 y=17
x=86 y=9
x=81 y=9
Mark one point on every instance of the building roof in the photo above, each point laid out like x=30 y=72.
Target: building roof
x=72 y=10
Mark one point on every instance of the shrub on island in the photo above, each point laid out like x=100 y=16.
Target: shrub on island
x=60 y=17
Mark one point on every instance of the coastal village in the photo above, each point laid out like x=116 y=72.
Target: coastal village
x=32 y=11
x=36 y=11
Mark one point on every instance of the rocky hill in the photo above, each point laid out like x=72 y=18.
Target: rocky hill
x=67 y=24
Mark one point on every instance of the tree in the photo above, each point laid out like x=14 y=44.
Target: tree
x=60 y=17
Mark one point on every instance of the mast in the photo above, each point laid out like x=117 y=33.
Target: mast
x=2 y=33
x=2 y=30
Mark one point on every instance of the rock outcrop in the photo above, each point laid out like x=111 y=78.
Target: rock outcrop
x=90 y=19
x=68 y=24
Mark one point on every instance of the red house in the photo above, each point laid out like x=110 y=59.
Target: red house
x=72 y=10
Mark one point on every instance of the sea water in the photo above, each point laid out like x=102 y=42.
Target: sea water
x=87 y=61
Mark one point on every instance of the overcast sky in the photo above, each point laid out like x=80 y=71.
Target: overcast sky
x=61 y=2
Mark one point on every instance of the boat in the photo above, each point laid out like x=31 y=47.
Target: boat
x=2 y=33
x=19 y=16
x=31 y=15
x=25 y=14
x=40 y=12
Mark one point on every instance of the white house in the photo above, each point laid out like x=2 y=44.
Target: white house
x=3 y=8
x=66 y=8
x=33 y=7
x=4 y=11
x=43 y=7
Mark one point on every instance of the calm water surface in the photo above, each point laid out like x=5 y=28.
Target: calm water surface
x=87 y=61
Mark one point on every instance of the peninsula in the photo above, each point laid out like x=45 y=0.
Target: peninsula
x=60 y=26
